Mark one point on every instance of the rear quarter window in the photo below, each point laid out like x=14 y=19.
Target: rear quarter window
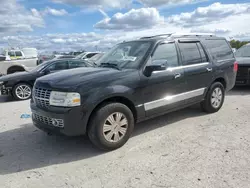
x=219 y=49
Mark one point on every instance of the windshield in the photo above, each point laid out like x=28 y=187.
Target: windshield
x=244 y=51
x=81 y=55
x=96 y=57
x=125 y=55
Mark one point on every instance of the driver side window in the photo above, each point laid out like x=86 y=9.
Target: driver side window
x=166 y=53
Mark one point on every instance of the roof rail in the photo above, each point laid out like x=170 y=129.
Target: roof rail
x=154 y=36
x=181 y=35
x=192 y=34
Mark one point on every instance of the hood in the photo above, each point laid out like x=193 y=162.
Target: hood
x=243 y=60
x=14 y=76
x=81 y=76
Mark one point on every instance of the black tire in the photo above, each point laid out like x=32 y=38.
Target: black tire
x=95 y=129
x=15 y=95
x=207 y=105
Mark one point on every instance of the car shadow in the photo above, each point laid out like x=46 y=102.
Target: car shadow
x=239 y=90
x=6 y=98
x=28 y=148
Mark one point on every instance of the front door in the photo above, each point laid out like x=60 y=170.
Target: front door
x=162 y=91
x=198 y=70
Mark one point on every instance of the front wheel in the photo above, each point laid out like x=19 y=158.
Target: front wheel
x=111 y=126
x=22 y=91
x=214 y=98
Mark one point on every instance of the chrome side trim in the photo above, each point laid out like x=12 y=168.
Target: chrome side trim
x=182 y=67
x=173 y=99
x=225 y=60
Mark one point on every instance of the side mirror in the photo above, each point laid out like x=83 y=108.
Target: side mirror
x=155 y=65
x=152 y=68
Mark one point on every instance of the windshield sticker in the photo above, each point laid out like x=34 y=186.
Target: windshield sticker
x=129 y=58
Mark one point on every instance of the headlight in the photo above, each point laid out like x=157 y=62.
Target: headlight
x=64 y=99
x=1 y=83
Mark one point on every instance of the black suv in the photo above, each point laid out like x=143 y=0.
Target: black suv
x=243 y=59
x=135 y=81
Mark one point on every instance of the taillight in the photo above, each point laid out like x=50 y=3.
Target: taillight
x=236 y=66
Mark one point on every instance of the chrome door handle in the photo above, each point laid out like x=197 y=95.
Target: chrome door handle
x=209 y=69
x=178 y=75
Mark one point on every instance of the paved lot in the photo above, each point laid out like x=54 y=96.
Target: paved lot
x=184 y=149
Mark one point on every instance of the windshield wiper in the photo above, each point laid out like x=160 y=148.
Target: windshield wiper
x=111 y=65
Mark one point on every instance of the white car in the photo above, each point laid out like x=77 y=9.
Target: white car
x=86 y=55
x=16 y=61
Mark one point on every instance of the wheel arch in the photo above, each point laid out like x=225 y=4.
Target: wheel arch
x=15 y=67
x=222 y=81
x=113 y=99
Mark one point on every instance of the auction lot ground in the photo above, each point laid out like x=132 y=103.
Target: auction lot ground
x=184 y=149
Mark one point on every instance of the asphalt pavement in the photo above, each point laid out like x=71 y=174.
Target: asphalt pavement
x=183 y=149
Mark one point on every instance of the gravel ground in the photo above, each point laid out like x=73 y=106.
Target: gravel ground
x=184 y=149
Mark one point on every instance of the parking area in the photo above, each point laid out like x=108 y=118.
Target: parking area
x=187 y=148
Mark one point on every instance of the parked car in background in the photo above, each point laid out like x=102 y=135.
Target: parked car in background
x=43 y=57
x=135 y=81
x=19 y=85
x=14 y=54
x=64 y=56
x=95 y=58
x=2 y=58
x=30 y=52
x=86 y=55
x=243 y=59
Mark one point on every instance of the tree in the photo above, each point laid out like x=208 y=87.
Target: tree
x=237 y=44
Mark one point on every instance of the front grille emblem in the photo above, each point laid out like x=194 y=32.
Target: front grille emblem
x=55 y=122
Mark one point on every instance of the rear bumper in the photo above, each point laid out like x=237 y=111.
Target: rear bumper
x=65 y=121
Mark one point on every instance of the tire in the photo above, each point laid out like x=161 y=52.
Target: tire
x=209 y=104
x=18 y=92
x=96 y=131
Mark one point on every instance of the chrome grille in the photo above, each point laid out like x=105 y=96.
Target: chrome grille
x=49 y=121
x=42 y=96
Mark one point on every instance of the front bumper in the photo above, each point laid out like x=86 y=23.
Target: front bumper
x=65 y=121
x=243 y=76
x=4 y=90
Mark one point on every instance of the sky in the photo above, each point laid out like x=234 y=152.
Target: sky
x=72 y=25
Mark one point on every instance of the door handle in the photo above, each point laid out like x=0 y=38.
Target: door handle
x=178 y=75
x=209 y=69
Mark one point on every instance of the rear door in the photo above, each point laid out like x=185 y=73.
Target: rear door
x=198 y=70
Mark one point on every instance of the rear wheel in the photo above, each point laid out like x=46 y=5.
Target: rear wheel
x=22 y=91
x=111 y=126
x=214 y=98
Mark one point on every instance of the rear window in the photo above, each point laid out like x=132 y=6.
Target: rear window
x=219 y=49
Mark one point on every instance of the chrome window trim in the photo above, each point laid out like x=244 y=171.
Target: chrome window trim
x=182 y=67
x=225 y=60
x=173 y=99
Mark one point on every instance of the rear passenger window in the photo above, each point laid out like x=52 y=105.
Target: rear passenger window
x=202 y=53
x=190 y=53
x=219 y=49
x=166 y=52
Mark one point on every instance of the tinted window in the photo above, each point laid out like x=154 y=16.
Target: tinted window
x=90 y=55
x=62 y=65
x=244 y=51
x=219 y=49
x=11 y=54
x=166 y=52
x=76 y=64
x=202 y=53
x=18 y=53
x=190 y=53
